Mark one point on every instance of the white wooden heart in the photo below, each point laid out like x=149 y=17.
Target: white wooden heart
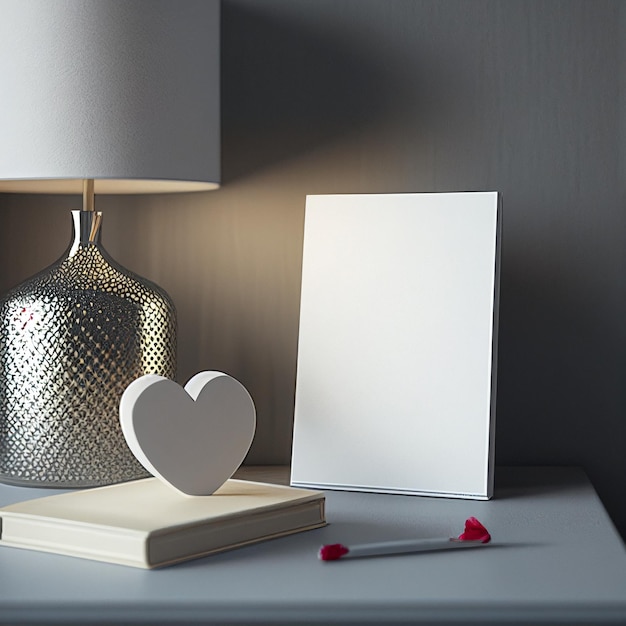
x=193 y=438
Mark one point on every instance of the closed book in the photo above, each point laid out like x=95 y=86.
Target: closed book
x=147 y=524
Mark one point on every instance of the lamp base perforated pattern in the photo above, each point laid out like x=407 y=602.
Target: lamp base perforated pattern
x=72 y=338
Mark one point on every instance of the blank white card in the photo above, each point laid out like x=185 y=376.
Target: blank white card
x=397 y=348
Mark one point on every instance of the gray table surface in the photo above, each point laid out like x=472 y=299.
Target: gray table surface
x=555 y=559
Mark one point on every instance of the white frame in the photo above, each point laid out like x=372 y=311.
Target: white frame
x=396 y=375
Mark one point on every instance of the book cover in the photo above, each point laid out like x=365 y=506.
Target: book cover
x=147 y=524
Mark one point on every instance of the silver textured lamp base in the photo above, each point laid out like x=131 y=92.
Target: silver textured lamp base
x=71 y=340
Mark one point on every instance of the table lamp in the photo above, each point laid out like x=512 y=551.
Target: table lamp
x=98 y=96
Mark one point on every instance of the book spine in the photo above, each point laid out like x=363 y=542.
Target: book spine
x=99 y=543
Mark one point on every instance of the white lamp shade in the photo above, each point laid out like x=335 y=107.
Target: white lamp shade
x=123 y=92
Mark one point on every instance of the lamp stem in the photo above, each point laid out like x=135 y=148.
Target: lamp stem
x=88 y=195
x=89 y=206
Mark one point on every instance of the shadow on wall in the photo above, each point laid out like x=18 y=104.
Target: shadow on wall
x=306 y=89
x=560 y=378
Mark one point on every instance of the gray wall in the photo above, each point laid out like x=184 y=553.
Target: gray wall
x=327 y=96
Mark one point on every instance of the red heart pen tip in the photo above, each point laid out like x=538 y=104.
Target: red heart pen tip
x=332 y=552
x=475 y=531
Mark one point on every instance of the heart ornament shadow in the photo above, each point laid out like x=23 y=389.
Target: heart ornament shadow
x=192 y=438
